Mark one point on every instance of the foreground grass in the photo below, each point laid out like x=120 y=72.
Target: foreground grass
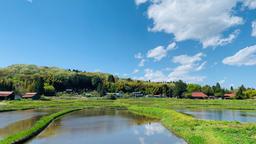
x=55 y=104
x=201 y=131
x=172 y=103
x=192 y=130
x=36 y=129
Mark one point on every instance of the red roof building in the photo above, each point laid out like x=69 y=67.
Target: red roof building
x=7 y=95
x=198 y=95
x=229 y=95
x=31 y=95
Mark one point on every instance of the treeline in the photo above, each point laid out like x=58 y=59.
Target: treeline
x=51 y=80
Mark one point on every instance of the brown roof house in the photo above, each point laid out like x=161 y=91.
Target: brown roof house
x=7 y=95
x=229 y=95
x=198 y=95
x=33 y=96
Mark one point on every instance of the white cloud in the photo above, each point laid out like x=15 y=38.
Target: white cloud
x=157 y=53
x=187 y=65
x=185 y=59
x=135 y=71
x=254 y=28
x=221 y=82
x=202 y=20
x=171 y=46
x=201 y=67
x=141 y=59
x=138 y=56
x=251 y=4
x=156 y=76
x=218 y=41
x=139 y=2
x=246 y=57
x=160 y=52
x=142 y=63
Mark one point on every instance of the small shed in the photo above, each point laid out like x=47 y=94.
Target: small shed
x=32 y=95
x=198 y=95
x=7 y=95
x=137 y=94
x=229 y=95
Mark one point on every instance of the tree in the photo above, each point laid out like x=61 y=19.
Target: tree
x=218 y=91
x=111 y=79
x=49 y=90
x=240 y=93
x=39 y=85
x=250 y=93
x=231 y=88
x=193 y=88
x=180 y=88
x=207 y=90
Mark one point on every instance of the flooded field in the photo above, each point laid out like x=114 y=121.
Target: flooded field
x=15 y=121
x=222 y=114
x=105 y=126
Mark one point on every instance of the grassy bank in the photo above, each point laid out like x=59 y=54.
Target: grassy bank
x=192 y=130
x=172 y=103
x=57 y=104
x=36 y=129
x=201 y=131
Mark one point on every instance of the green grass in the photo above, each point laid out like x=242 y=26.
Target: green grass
x=192 y=130
x=172 y=103
x=37 y=128
x=201 y=131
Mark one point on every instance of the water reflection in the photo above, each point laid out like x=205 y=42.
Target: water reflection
x=222 y=114
x=15 y=121
x=105 y=126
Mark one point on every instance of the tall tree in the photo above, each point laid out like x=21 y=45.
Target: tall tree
x=111 y=79
x=240 y=93
x=180 y=88
x=39 y=85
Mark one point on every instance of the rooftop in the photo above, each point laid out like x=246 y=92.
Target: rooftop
x=5 y=93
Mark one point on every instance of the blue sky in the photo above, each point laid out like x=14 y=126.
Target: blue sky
x=201 y=41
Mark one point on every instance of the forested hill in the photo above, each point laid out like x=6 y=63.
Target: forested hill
x=51 y=80
x=23 y=78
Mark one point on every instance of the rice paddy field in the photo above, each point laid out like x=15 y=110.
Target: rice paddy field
x=138 y=120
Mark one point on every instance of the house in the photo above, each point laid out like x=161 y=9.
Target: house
x=7 y=95
x=69 y=90
x=198 y=95
x=229 y=95
x=33 y=96
x=137 y=94
x=117 y=95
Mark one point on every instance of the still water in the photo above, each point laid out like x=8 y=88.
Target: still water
x=105 y=127
x=222 y=114
x=15 y=121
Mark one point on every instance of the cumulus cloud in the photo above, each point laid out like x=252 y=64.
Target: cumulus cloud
x=155 y=76
x=251 y=4
x=201 y=20
x=244 y=57
x=141 y=59
x=187 y=65
x=218 y=41
x=139 y=2
x=254 y=28
x=138 y=56
x=160 y=52
x=135 y=71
